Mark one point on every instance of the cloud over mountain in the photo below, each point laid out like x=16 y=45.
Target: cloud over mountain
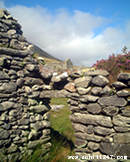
x=80 y=36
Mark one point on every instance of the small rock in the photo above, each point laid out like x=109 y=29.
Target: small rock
x=96 y=90
x=123 y=93
x=6 y=105
x=122 y=138
x=4 y=134
x=106 y=90
x=88 y=98
x=119 y=85
x=111 y=110
x=70 y=87
x=94 y=108
x=97 y=72
x=79 y=143
x=8 y=87
x=103 y=131
x=93 y=146
x=124 y=76
x=83 y=91
x=39 y=109
x=122 y=121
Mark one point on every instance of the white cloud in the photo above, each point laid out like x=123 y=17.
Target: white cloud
x=66 y=35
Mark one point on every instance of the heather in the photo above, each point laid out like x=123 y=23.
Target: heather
x=115 y=64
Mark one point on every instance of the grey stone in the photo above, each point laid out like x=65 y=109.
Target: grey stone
x=34 y=95
x=106 y=90
x=14 y=52
x=88 y=137
x=119 y=85
x=97 y=72
x=88 y=98
x=108 y=148
x=40 y=125
x=122 y=121
x=122 y=138
x=73 y=102
x=6 y=126
x=31 y=67
x=112 y=101
x=111 y=110
x=13 y=148
x=60 y=77
x=32 y=102
x=91 y=119
x=24 y=121
x=83 y=91
x=124 y=76
x=33 y=135
x=123 y=93
x=11 y=32
x=70 y=87
x=93 y=146
x=96 y=90
x=80 y=127
x=3 y=76
x=94 y=108
x=39 y=109
x=6 y=105
x=122 y=129
x=4 y=134
x=45 y=72
x=34 y=144
x=79 y=143
x=83 y=82
x=103 y=131
x=8 y=87
x=100 y=81
x=33 y=81
x=20 y=82
x=126 y=111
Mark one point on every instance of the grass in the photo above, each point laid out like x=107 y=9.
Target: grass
x=62 y=132
x=60 y=120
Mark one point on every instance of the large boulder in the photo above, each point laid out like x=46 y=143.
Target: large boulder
x=100 y=81
x=112 y=101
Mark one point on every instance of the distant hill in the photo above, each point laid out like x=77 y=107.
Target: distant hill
x=42 y=53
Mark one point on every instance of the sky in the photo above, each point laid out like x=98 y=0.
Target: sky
x=83 y=30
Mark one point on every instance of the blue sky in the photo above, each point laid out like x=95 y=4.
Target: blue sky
x=83 y=30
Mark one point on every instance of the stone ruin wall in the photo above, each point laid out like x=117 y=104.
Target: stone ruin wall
x=23 y=115
x=101 y=115
x=100 y=111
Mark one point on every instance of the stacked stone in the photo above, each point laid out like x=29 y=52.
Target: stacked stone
x=100 y=114
x=10 y=32
x=23 y=115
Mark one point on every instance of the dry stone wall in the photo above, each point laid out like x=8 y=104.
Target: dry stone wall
x=23 y=115
x=101 y=115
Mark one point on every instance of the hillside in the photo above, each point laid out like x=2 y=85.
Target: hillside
x=42 y=53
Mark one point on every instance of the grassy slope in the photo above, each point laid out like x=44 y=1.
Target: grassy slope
x=62 y=135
